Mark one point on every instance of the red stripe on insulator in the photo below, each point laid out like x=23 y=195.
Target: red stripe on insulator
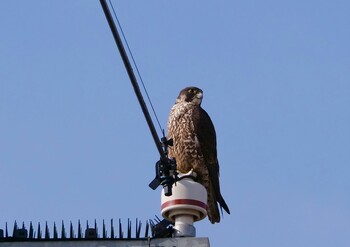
x=184 y=201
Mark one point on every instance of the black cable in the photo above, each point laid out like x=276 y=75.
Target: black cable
x=132 y=78
x=137 y=69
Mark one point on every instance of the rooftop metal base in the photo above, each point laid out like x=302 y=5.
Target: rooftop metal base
x=147 y=242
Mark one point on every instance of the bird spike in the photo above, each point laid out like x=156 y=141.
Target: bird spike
x=120 y=229
x=47 y=231
x=6 y=231
x=31 y=231
x=55 y=234
x=15 y=227
x=157 y=219
x=129 y=228
x=63 y=231
x=104 y=232
x=71 y=231
x=79 y=230
x=147 y=229
x=112 y=229
x=138 y=228
x=39 y=231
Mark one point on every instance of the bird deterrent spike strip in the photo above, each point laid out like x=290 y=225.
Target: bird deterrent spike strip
x=22 y=233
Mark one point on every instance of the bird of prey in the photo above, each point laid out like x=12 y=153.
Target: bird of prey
x=194 y=146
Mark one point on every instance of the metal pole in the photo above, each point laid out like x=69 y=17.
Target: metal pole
x=132 y=77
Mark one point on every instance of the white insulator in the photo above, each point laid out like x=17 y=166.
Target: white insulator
x=187 y=204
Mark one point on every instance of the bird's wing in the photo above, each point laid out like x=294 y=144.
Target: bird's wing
x=206 y=135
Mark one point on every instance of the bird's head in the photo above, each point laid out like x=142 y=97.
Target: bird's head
x=190 y=94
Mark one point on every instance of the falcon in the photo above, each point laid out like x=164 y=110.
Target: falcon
x=194 y=146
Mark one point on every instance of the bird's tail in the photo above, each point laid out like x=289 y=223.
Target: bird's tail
x=223 y=205
x=212 y=207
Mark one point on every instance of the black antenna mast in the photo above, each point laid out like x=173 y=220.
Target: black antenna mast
x=165 y=167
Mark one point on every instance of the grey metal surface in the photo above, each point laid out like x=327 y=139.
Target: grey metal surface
x=160 y=242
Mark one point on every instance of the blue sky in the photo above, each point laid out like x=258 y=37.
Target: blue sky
x=276 y=81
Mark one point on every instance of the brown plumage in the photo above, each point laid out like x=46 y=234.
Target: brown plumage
x=194 y=146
